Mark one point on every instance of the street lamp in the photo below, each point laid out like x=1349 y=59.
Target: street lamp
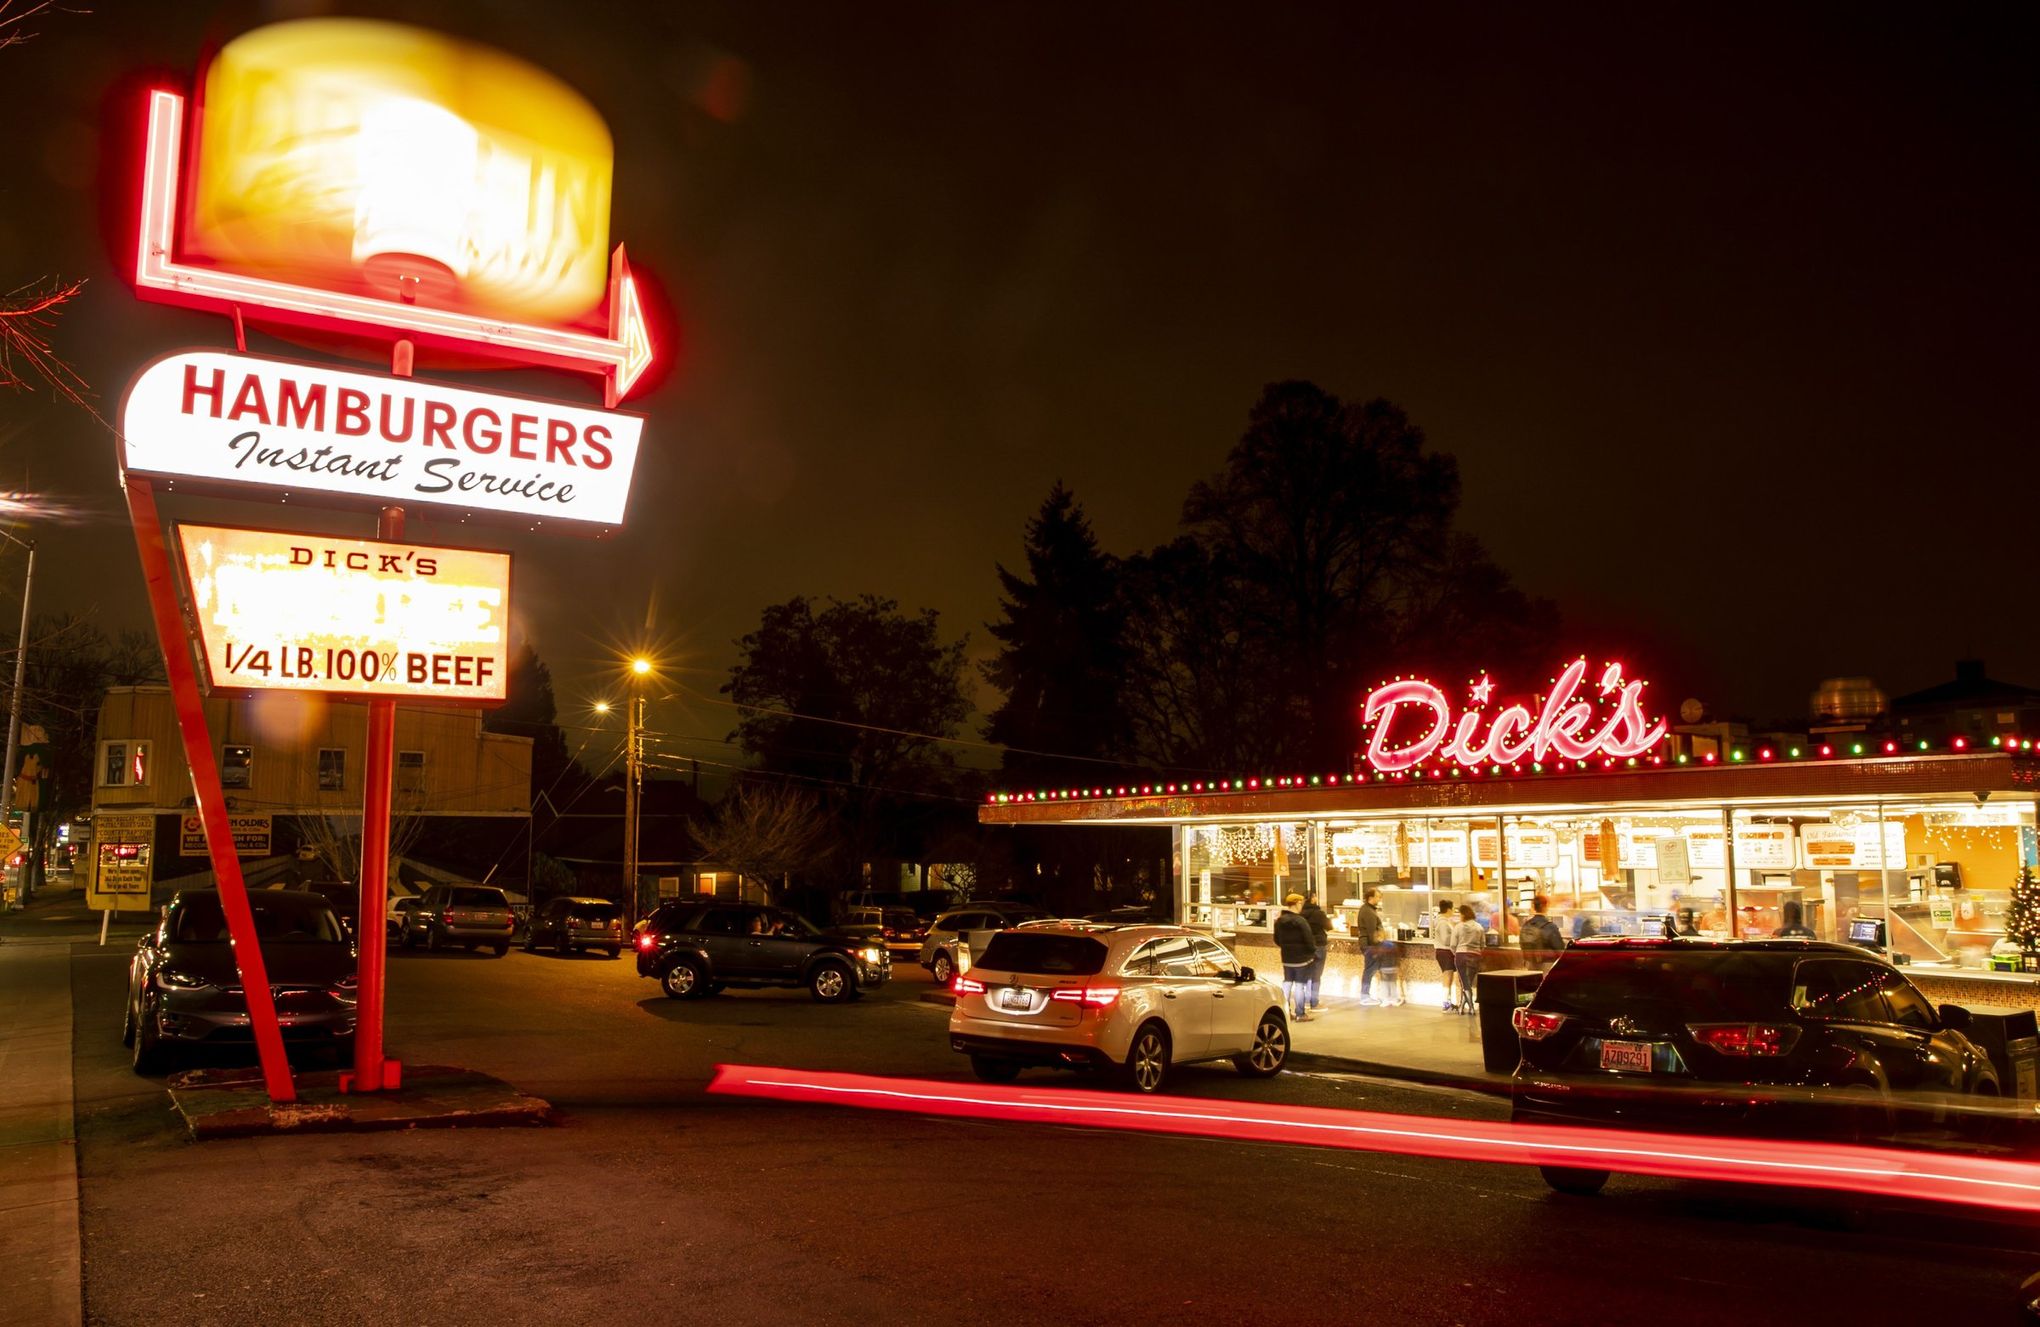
x=14 y=709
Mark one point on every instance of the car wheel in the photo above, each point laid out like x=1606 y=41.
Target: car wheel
x=831 y=983
x=943 y=967
x=615 y=951
x=1147 y=1060
x=151 y=1057
x=1579 y=1183
x=432 y=944
x=1270 y=1051
x=502 y=949
x=1869 y=1119
x=406 y=940
x=127 y=1022
x=682 y=981
x=992 y=1069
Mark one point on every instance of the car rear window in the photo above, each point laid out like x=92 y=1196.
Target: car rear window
x=479 y=898
x=1697 y=986
x=287 y=917
x=594 y=912
x=1043 y=955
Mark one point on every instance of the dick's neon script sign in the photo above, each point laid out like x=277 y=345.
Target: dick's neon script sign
x=1414 y=722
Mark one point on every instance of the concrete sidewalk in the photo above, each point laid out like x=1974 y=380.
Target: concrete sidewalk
x=39 y=1249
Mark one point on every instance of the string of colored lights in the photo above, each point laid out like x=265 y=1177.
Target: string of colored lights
x=1976 y=1181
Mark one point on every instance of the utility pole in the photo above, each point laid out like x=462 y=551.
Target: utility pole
x=14 y=710
x=633 y=779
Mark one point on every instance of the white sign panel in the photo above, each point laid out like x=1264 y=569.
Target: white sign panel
x=324 y=434
x=1763 y=847
x=358 y=617
x=1674 y=864
x=1368 y=846
x=1445 y=849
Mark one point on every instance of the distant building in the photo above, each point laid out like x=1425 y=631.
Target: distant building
x=291 y=768
x=1973 y=706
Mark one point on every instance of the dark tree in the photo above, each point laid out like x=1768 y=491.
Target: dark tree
x=1061 y=665
x=531 y=712
x=1319 y=560
x=853 y=699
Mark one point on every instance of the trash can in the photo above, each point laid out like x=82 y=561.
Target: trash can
x=2011 y=1037
x=1499 y=994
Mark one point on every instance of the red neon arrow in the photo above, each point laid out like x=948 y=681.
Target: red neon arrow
x=621 y=357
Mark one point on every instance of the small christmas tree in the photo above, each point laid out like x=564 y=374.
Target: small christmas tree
x=2022 y=921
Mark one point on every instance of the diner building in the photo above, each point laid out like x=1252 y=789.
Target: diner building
x=1909 y=852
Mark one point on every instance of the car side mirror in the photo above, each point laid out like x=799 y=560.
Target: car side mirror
x=1244 y=975
x=1955 y=1018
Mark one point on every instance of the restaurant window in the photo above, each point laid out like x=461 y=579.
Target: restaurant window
x=236 y=765
x=332 y=769
x=411 y=772
x=1238 y=874
x=123 y=764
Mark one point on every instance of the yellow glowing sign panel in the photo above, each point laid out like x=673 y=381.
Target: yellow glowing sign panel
x=297 y=612
x=374 y=157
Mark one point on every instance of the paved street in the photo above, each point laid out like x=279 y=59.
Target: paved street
x=653 y=1201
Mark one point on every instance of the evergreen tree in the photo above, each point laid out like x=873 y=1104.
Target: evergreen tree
x=530 y=712
x=1061 y=664
x=2022 y=921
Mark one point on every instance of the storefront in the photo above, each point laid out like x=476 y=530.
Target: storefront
x=1911 y=853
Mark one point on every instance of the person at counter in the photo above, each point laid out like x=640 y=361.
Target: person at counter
x=1794 y=927
x=1372 y=934
x=1299 y=951
x=1540 y=938
x=1469 y=945
x=1442 y=927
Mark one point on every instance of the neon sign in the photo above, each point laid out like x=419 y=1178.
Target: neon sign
x=1413 y=722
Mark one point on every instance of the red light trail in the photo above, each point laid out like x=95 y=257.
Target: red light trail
x=1975 y=1181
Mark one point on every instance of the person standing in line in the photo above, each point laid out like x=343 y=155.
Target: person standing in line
x=1540 y=938
x=1370 y=932
x=1469 y=946
x=1299 y=950
x=1442 y=927
x=1321 y=937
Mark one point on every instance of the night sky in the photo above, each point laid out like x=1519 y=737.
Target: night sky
x=1728 y=317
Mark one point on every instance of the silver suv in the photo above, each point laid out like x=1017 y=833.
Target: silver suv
x=939 y=945
x=1131 y=999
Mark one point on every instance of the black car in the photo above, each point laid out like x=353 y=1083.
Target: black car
x=567 y=924
x=1790 y=1038
x=697 y=949
x=183 y=989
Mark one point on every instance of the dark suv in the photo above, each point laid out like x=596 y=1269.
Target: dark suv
x=1784 y=1037
x=697 y=949
x=568 y=924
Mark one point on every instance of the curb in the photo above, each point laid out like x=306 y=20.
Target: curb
x=236 y=1105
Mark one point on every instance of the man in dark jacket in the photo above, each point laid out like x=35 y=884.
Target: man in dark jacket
x=1372 y=934
x=1321 y=938
x=1541 y=941
x=1299 y=950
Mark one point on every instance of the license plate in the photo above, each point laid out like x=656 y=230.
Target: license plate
x=1631 y=1056
x=1014 y=998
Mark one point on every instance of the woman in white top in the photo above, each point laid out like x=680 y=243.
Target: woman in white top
x=1469 y=945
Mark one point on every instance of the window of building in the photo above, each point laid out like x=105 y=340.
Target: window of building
x=123 y=764
x=332 y=769
x=236 y=765
x=411 y=772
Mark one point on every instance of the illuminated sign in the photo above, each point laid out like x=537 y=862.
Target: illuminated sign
x=322 y=433
x=123 y=844
x=621 y=357
x=251 y=834
x=1414 y=722
x=358 y=617
x=345 y=151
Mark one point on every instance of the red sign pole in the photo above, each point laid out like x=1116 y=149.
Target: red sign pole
x=369 y=1065
x=205 y=786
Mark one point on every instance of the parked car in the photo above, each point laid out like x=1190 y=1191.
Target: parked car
x=901 y=930
x=696 y=950
x=938 y=946
x=1783 y=1037
x=399 y=913
x=568 y=924
x=183 y=989
x=476 y=916
x=1136 y=1000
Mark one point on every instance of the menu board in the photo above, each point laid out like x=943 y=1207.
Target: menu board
x=1364 y=846
x=1674 y=858
x=1831 y=847
x=1706 y=848
x=1631 y=853
x=1445 y=848
x=1763 y=847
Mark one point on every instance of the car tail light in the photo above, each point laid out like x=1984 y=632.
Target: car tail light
x=1746 y=1039
x=1088 y=997
x=1536 y=1025
x=647 y=941
x=446 y=918
x=966 y=986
